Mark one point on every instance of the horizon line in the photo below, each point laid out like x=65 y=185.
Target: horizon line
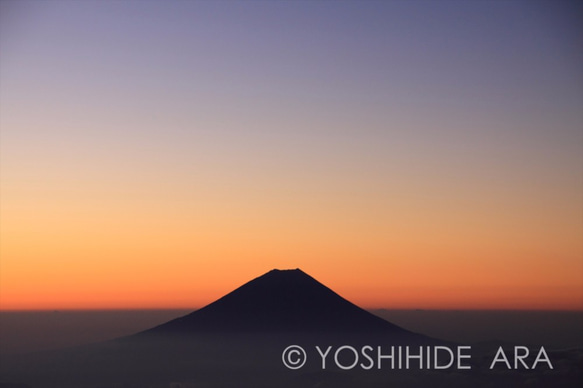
x=104 y=309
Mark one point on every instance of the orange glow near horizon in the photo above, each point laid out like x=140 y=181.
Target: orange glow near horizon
x=105 y=272
x=63 y=253
x=79 y=255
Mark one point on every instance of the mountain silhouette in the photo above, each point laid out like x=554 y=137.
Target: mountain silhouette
x=280 y=301
x=239 y=340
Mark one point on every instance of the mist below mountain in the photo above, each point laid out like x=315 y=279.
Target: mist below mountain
x=30 y=331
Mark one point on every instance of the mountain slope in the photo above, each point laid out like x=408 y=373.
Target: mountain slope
x=280 y=300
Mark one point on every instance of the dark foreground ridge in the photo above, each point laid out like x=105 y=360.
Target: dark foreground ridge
x=280 y=301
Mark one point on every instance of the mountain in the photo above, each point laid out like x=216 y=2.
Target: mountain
x=241 y=341
x=280 y=301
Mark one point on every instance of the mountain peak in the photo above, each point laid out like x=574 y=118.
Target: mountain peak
x=280 y=300
x=285 y=272
x=277 y=271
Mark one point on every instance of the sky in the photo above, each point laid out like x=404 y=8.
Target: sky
x=407 y=154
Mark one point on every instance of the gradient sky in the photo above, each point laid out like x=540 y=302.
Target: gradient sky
x=409 y=154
